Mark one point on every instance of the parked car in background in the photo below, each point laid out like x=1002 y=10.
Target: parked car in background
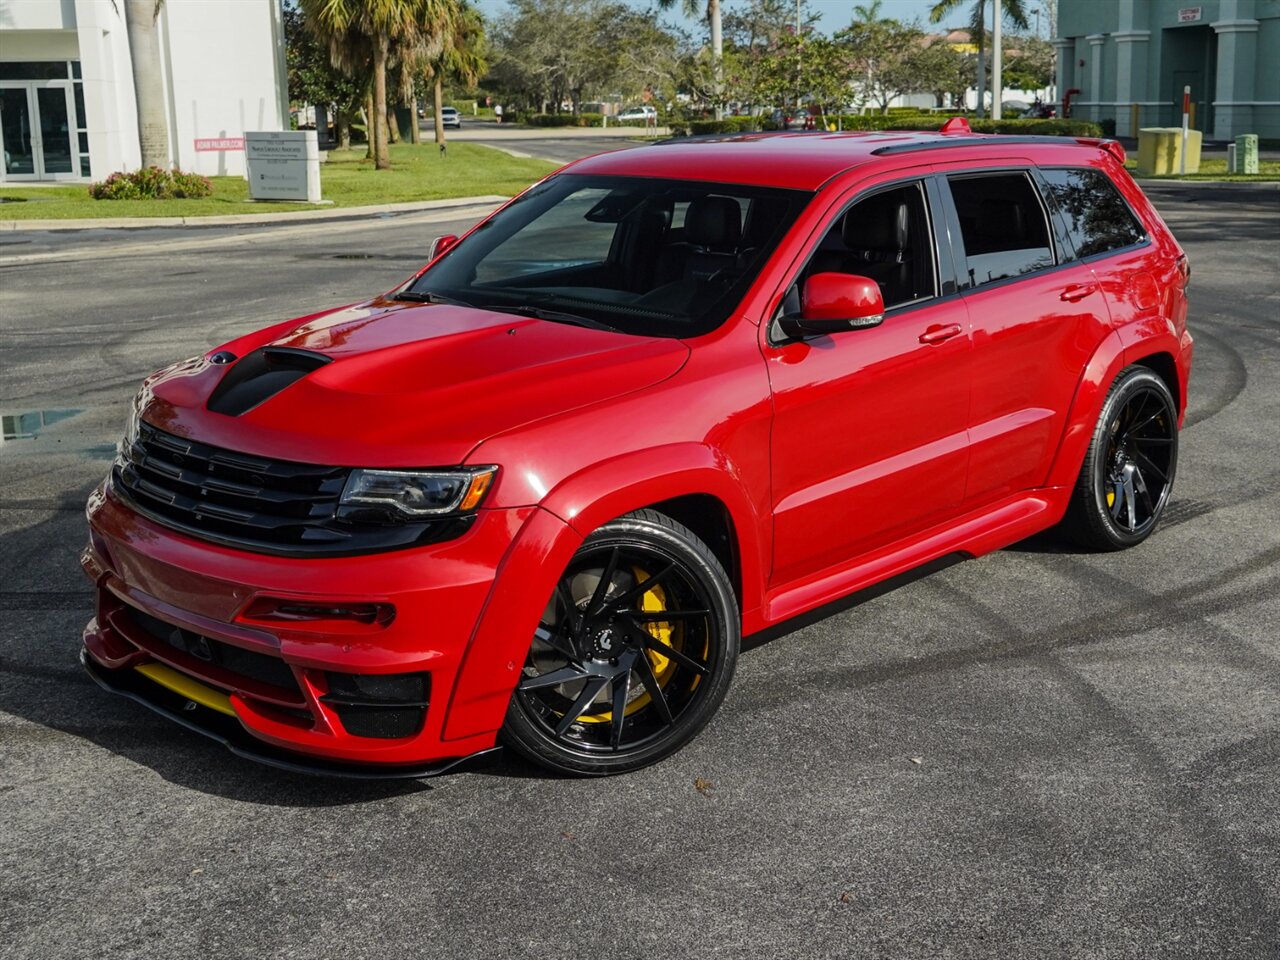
x=666 y=398
x=451 y=117
x=647 y=113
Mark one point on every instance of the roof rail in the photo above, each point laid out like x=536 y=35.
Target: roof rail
x=977 y=140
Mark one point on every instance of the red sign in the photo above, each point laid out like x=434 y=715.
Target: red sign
x=1188 y=14
x=219 y=144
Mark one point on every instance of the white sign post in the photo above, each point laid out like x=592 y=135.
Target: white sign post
x=283 y=165
x=1186 y=116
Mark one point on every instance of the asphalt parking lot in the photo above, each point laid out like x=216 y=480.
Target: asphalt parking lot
x=1039 y=753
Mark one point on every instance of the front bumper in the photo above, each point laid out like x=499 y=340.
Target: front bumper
x=185 y=605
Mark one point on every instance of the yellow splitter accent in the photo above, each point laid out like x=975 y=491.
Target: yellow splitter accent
x=184 y=686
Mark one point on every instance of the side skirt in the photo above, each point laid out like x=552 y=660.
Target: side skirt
x=974 y=534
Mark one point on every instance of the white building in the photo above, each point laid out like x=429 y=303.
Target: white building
x=67 y=108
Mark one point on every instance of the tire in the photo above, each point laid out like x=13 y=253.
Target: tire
x=1128 y=471
x=603 y=651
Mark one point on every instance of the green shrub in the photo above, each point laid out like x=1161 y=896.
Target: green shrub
x=1108 y=127
x=151 y=183
x=189 y=186
x=118 y=186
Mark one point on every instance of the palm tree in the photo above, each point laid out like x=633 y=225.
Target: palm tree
x=461 y=57
x=148 y=81
x=690 y=9
x=1014 y=11
x=869 y=13
x=382 y=22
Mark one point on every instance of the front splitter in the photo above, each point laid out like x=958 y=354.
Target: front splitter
x=228 y=732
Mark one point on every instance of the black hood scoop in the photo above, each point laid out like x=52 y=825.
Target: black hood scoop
x=260 y=375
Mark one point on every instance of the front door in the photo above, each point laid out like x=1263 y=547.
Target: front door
x=36 y=130
x=869 y=443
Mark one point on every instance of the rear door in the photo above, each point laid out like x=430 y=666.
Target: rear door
x=1038 y=316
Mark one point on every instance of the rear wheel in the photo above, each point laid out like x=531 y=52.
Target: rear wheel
x=634 y=652
x=1128 y=471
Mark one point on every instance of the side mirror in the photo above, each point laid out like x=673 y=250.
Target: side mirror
x=441 y=245
x=835 y=302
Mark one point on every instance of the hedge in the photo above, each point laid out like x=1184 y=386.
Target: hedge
x=562 y=119
x=685 y=128
x=1051 y=127
x=924 y=122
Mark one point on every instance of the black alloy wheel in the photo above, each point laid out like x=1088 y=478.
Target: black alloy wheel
x=1128 y=472
x=634 y=652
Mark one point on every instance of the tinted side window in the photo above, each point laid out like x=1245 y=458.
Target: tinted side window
x=1097 y=217
x=1003 y=226
x=885 y=237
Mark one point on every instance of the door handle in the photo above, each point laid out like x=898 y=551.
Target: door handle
x=1077 y=291
x=939 y=332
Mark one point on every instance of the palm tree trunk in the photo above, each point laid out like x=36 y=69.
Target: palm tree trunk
x=368 y=125
x=343 y=123
x=717 y=54
x=415 y=132
x=393 y=124
x=982 y=57
x=381 y=158
x=437 y=98
x=148 y=84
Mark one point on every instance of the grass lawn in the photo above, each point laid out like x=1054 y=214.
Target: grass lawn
x=1216 y=169
x=418 y=173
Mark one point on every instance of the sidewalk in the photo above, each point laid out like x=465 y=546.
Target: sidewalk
x=243 y=219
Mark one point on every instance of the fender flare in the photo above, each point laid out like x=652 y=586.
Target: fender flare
x=496 y=651
x=1122 y=347
x=642 y=478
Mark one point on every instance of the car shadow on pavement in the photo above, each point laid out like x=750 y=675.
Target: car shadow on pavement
x=43 y=684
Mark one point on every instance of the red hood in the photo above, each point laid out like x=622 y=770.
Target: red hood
x=410 y=385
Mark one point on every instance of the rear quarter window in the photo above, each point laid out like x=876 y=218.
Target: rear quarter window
x=1097 y=217
x=1003 y=225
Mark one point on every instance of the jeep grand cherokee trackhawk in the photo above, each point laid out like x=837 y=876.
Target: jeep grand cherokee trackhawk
x=665 y=397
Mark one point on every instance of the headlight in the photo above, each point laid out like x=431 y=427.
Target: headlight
x=130 y=431
x=419 y=494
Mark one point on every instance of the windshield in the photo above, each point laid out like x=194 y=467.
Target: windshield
x=651 y=257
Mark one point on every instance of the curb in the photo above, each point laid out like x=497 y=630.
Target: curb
x=243 y=219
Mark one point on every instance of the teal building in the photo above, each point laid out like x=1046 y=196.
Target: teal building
x=1130 y=59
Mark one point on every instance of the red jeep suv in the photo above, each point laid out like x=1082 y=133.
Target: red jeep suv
x=665 y=397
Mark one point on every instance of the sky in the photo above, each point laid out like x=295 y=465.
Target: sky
x=834 y=14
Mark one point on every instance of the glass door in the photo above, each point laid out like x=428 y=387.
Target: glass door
x=37 y=130
x=54 y=112
x=16 y=138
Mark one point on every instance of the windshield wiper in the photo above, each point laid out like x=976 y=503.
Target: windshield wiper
x=426 y=296
x=556 y=316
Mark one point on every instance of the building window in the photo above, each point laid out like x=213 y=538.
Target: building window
x=36 y=70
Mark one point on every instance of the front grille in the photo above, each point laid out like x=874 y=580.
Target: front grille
x=257 y=503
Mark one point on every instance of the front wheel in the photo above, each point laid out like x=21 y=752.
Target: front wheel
x=634 y=652
x=1128 y=471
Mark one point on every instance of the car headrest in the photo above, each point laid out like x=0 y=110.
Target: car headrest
x=1002 y=219
x=879 y=224
x=714 y=222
